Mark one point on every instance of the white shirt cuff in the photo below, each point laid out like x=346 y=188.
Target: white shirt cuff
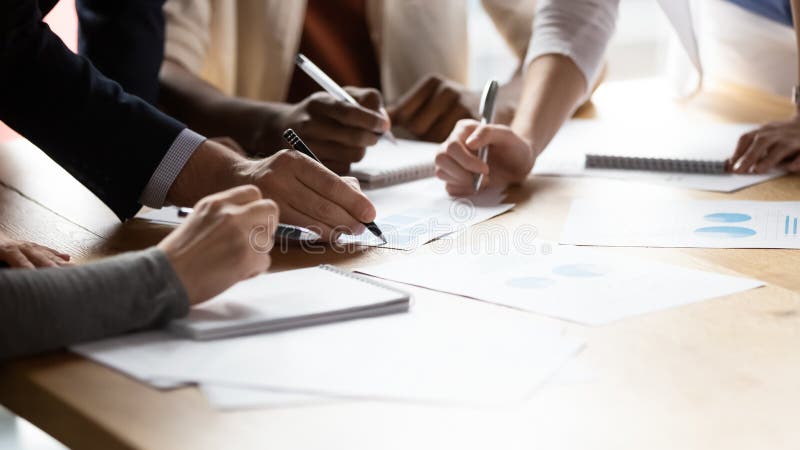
x=155 y=193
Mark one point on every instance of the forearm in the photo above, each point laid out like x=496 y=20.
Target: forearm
x=46 y=309
x=553 y=88
x=212 y=113
x=110 y=141
x=796 y=21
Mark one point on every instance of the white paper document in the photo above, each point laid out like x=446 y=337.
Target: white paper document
x=584 y=285
x=687 y=223
x=566 y=154
x=409 y=214
x=413 y=214
x=444 y=351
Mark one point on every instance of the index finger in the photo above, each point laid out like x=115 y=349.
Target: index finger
x=351 y=115
x=331 y=186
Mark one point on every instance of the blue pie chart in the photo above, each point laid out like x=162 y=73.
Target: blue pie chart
x=579 y=270
x=727 y=217
x=725 y=232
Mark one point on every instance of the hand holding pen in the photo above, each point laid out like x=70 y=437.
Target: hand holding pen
x=333 y=88
x=464 y=163
x=297 y=144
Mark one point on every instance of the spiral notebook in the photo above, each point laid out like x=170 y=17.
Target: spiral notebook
x=386 y=164
x=704 y=166
x=685 y=147
x=291 y=299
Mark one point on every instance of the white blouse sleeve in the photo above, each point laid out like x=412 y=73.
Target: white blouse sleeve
x=578 y=29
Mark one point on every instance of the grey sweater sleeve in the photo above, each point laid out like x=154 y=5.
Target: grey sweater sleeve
x=50 y=308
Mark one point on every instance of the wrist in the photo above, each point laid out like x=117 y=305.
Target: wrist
x=212 y=168
x=269 y=120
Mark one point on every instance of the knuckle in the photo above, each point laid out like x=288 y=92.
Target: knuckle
x=324 y=209
x=359 y=154
x=453 y=148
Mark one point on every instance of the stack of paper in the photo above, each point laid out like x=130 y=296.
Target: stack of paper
x=444 y=351
x=566 y=154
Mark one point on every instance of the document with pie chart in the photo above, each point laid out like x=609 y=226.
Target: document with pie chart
x=684 y=223
x=584 y=285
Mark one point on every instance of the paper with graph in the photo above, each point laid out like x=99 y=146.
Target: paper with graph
x=413 y=214
x=589 y=286
x=685 y=223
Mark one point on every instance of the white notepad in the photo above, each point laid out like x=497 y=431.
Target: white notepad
x=386 y=163
x=291 y=299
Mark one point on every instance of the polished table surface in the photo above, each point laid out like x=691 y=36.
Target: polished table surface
x=724 y=373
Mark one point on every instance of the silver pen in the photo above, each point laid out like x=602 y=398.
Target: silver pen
x=331 y=87
x=487 y=115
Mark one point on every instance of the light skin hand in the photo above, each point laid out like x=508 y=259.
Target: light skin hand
x=457 y=163
x=29 y=255
x=225 y=240
x=773 y=145
x=308 y=194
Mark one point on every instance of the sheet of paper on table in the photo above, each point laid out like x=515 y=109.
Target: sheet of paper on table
x=409 y=214
x=484 y=355
x=565 y=155
x=229 y=398
x=584 y=285
x=413 y=214
x=688 y=223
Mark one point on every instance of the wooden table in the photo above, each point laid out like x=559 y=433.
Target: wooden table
x=723 y=373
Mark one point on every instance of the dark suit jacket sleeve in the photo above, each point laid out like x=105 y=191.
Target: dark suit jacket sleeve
x=110 y=141
x=124 y=39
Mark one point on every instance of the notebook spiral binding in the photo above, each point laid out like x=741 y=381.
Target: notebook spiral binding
x=362 y=278
x=655 y=164
x=403 y=175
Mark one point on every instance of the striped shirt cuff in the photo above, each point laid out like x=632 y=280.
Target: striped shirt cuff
x=155 y=193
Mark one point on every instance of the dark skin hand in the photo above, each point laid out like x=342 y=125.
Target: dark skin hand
x=338 y=132
x=431 y=109
x=775 y=144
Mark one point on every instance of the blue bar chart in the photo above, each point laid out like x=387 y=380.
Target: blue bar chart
x=790 y=226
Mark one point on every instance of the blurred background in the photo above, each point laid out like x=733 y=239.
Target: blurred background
x=637 y=51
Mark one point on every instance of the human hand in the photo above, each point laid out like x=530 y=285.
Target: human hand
x=337 y=131
x=29 y=255
x=308 y=194
x=226 y=239
x=763 y=149
x=229 y=142
x=510 y=157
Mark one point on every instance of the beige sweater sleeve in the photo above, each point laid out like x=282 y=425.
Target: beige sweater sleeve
x=514 y=21
x=188 y=30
